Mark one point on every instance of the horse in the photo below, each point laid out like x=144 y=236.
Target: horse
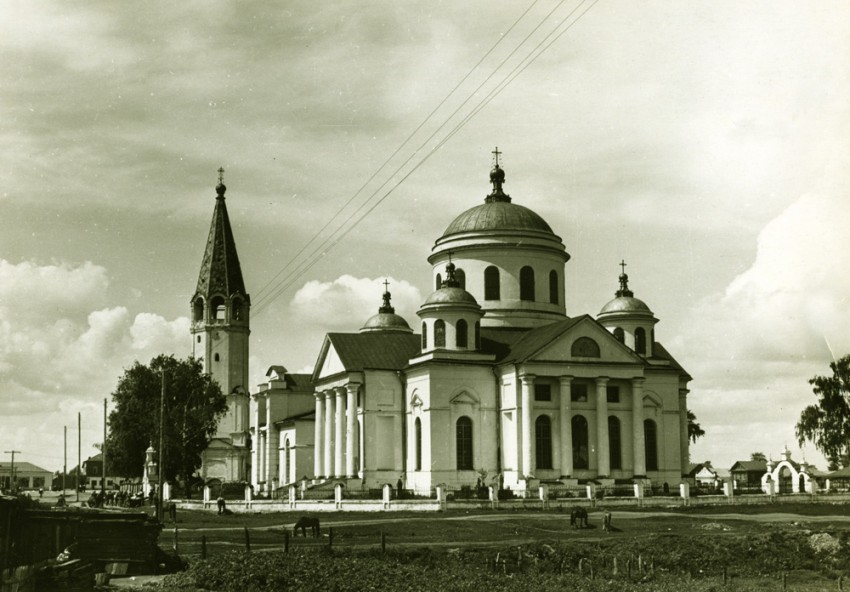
x=304 y=523
x=607 y=525
x=578 y=518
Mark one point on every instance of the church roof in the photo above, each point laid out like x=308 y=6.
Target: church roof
x=522 y=346
x=220 y=269
x=373 y=351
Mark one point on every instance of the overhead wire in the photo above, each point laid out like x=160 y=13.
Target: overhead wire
x=339 y=234
x=260 y=293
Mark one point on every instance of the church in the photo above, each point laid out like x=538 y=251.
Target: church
x=496 y=383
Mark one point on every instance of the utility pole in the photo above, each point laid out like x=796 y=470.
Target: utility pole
x=161 y=442
x=65 y=459
x=103 y=451
x=79 y=452
x=12 y=482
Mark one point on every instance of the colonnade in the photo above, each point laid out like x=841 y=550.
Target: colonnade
x=565 y=451
x=335 y=434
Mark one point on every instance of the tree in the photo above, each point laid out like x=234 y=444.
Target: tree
x=758 y=456
x=193 y=405
x=826 y=424
x=694 y=429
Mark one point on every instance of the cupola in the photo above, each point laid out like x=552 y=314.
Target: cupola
x=386 y=321
x=451 y=317
x=629 y=318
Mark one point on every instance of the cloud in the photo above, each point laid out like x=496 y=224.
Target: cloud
x=755 y=345
x=345 y=303
x=61 y=351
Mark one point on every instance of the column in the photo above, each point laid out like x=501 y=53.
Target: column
x=273 y=461
x=339 y=433
x=527 y=452
x=638 y=441
x=255 y=445
x=329 y=433
x=318 y=441
x=684 y=441
x=350 y=420
x=603 y=458
x=566 y=408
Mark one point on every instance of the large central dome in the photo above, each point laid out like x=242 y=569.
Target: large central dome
x=497 y=215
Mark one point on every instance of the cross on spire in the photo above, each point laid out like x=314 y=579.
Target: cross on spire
x=623 y=265
x=496 y=154
x=220 y=174
x=386 y=285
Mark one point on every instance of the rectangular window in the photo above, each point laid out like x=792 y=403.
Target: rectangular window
x=613 y=393
x=578 y=392
x=542 y=392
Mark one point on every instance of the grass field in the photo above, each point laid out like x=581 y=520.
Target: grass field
x=801 y=548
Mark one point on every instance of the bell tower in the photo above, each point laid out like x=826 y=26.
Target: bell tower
x=220 y=313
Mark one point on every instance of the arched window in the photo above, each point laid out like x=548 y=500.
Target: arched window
x=615 y=456
x=463 y=441
x=619 y=334
x=439 y=282
x=198 y=310
x=237 y=309
x=417 y=444
x=585 y=347
x=462 y=330
x=640 y=340
x=216 y=357
x=553 y=287
x=477 y=335
x=424 y=336
x=580 y=440
x=218 y=309
x=650 y=438
x=491 y=283
x=440 y=333
x=543 y=441
x=526 y=283
x=460 y=276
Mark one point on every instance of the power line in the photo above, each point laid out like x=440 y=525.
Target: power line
x=337 y=235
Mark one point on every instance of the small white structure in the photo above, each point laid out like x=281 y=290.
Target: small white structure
x=786 y=476
x=150 y=475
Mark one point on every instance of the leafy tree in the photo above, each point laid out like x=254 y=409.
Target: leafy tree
x=193 y=405
x=826 y=424
x=758 y=456
x=694 y=429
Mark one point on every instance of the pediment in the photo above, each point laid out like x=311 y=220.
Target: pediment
x=586 y=341
x=329 y=362
x=464 y=397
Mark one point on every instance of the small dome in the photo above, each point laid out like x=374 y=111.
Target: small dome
x=451 y=296
x=498 y=215
x=386 y=321
x=625 y=304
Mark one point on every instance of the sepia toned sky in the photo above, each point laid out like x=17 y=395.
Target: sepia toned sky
x=704 y=143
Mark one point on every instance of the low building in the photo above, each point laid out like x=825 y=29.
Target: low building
x=747 y=474
x=93 y=470
x=26 y=476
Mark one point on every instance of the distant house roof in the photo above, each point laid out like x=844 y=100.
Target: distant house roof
x=22 y=467
x=749 y=466
x=839 y=474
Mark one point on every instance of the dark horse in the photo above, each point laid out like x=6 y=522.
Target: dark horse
x=578 y=518
x=304 y=523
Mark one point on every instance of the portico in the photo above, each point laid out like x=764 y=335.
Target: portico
x=336 y=434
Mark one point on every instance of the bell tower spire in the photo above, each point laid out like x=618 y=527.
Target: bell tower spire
x=220 y=313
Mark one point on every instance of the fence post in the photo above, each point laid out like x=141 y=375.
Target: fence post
x=685 y=492
x=203 y=546
x=729 y=490
x=293 y=494
x=543 y=490
x=387 y=495
x=206 y=496
x=441 y=495
x=175 y=539
x=248 y=497
x=494 y=497
x=338 y=495
x=247 y=540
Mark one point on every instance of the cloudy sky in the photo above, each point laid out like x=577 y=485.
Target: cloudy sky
x=704 y=142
